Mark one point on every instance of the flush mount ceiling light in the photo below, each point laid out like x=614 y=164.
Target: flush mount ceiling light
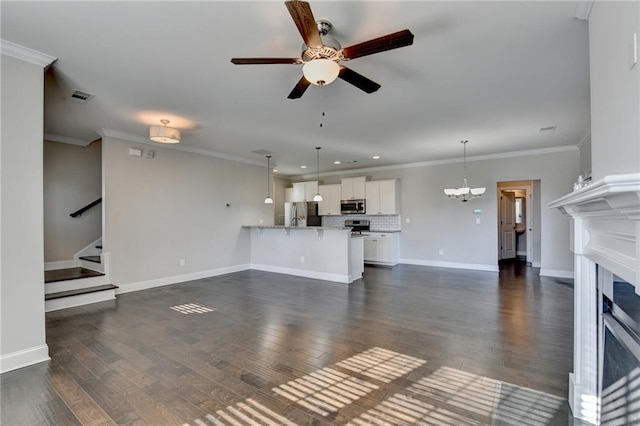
x=318 y=197
x=321 y=71
x=268 y=200
x=465 y=193
x=164 y=134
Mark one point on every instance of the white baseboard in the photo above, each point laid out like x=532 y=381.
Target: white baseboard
x=302 y=273
x=62 y=264
x=78 y=300
x=24 y=358
x=556 y=273
x=144 y=285
x=455 y=265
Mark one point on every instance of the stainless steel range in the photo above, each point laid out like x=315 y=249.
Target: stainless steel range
x=357 y=226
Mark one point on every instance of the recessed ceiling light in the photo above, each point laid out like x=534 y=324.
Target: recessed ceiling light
x=303 y=167
x=548 y=129
x=376 y=157
x=337 y=162
x=275 y=170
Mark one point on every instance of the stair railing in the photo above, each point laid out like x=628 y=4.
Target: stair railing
x=85 y=208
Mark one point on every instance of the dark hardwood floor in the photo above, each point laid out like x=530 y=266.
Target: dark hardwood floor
x=406 y=345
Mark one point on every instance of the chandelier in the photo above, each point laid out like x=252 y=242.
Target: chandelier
x=465 y=193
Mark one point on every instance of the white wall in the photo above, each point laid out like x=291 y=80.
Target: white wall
x=22 y=330
x=72 y=179
x=615 y=89
x=172 y=207
x=437 y=222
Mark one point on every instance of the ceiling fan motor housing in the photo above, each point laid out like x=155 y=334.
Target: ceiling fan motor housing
x=331 y=47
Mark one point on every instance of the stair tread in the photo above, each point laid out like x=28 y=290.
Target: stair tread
x=69 y=274
x=79 y=291
x=95 y=259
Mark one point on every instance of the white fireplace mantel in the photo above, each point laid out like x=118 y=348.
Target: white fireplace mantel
x=605 y=232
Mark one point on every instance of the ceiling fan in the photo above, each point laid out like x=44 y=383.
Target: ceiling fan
x=321 y=55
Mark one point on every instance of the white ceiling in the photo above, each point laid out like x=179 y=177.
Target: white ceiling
x=490 y=72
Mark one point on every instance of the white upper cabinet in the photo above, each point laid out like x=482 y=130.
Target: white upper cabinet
x=330 y=204
x=383 y=197
x=304 y=191
x=353 y=188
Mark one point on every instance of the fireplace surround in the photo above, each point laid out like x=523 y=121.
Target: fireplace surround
x=605 y=240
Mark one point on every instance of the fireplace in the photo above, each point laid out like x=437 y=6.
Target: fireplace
x=619 y=336
x=604 y=387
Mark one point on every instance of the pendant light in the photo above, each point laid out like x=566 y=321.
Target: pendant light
x=318 y=197
x=465 y=193
x=268 y=200
x=164 y=134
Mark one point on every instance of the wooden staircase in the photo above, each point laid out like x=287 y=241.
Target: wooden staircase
x=81 y=285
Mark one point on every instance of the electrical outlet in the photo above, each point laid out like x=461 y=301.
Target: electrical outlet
x=301 y=259
x=183 y=263
x=441 y=252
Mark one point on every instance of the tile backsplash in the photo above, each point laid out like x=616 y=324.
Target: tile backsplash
x=389 y=222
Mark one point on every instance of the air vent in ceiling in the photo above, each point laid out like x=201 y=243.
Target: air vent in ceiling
x=82 y=97
x=548 y=129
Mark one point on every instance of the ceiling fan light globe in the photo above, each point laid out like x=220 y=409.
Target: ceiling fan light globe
x=318 y=198
x=478 y=191
x=321 y=72
x=449 y=192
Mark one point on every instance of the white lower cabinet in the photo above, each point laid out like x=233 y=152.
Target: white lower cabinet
x=381 y=248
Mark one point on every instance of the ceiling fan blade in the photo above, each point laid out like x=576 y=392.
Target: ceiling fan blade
x=302 y=16
x=300 y=88
x=265 y=61
x=358 y=80
x=380 y=44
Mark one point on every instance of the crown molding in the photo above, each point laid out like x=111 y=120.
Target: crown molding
x=501 y=155
x=178 y=147
x=587 y=138
x=66 y=139
x=26 y=54
x=583 y=9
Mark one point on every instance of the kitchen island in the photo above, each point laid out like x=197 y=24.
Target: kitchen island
x=325 y=253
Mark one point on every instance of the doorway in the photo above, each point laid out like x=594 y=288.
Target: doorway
x=518 y=211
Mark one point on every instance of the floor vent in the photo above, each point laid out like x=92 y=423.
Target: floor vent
x=192 y=308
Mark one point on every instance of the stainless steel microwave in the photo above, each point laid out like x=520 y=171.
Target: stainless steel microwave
x=352 y=207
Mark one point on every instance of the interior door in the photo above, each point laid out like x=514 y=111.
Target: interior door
x=507 y=225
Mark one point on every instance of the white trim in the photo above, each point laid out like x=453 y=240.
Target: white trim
x=61 y=264
x=499 y=155
x=455 y=265
x=159 y=282
x=302 y=273
x=536 y=265
x=89 y=250
x=521 y=253
x=178 y=147
x=66 y=139
x=26 y=54
x=24 y=358
x=556 y=273
x=587 y=138
x=583 y=9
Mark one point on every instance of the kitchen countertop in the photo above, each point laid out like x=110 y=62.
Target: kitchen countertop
x=319 y=228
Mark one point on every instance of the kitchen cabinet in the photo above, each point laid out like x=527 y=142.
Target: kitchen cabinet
x=383 y=197
x=381 y=248
x=330 y=204
x=353 y=188
x=304 y=191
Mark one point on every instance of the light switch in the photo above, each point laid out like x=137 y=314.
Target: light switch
x=633 y=54
x=407 y=220
x=477 y=221
x=135 y=152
